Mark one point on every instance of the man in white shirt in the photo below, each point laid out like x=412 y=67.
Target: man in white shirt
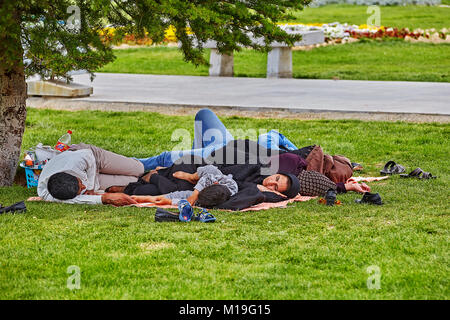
x=78 y=174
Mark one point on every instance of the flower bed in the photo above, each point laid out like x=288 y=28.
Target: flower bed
x=335 y=31
x=318 y=3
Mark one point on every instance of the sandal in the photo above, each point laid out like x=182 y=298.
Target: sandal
x=204 y=216
x=419 y=174
x=186 y=211
x=357 y=166
x=392 y=168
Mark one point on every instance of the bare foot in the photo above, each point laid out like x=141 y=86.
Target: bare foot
x=185 y=176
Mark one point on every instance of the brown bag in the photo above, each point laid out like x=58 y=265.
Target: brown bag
x=337 y=168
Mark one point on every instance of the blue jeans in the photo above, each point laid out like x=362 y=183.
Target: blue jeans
x=210 y=134
x=275 y=141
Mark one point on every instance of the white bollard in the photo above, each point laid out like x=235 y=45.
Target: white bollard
x=279 y=63
x=221 y=65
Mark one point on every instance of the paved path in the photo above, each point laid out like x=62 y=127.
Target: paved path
x=295 y=95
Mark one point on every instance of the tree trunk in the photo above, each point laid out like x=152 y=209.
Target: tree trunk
x=13 y=95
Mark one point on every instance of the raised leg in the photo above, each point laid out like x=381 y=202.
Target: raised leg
x=209 y=130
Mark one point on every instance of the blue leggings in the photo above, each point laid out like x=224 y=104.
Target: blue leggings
x=210 y=134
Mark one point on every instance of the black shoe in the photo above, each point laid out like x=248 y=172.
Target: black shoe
x=17 y=207
x=162 y=215
x=371 y=198
x=330 y=197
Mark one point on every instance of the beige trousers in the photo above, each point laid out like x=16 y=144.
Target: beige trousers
x=113 y=169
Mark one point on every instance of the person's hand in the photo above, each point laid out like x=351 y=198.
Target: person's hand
x=117 y=199
x=189 y=177
x=148 y=175
x=160 y=200
x=265 y=189
x=354 y=186
x=90 y=193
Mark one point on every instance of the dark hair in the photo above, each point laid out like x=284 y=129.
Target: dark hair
x=213 y=195
x=63 y=186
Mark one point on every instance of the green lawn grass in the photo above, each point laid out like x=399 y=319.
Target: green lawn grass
x=365 y=60
x=424 y=17
x=306 y=251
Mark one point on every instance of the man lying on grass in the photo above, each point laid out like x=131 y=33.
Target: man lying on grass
x=77 y=175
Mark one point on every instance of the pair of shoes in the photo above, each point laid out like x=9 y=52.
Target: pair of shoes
x=371 y=198
x=162 y=215
x=392 y=168
x=18 y=207
x=185 y=213
x=419 y=174
x=204 y=216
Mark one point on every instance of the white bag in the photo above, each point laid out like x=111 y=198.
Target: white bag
x=45 y=152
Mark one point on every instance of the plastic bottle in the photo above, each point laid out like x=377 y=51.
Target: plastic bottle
x=64 y=142
x=28 y=160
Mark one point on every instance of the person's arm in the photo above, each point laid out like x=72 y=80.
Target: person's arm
x=273 y=197
x=87 y=165
x=80 y=199
x=160 y=200
x=116 y=199
x=193 y=198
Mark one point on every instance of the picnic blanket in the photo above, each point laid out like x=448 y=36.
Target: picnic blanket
x=257 y=207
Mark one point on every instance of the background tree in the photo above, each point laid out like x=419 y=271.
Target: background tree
x=53 y=37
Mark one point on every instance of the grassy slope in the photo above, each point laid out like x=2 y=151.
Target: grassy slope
x=373 y=60
x=412 y=17
x=304 y=251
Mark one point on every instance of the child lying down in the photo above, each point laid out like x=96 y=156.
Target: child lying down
x=212 y=189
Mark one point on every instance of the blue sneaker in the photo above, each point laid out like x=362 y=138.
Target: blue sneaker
x=186 y=211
